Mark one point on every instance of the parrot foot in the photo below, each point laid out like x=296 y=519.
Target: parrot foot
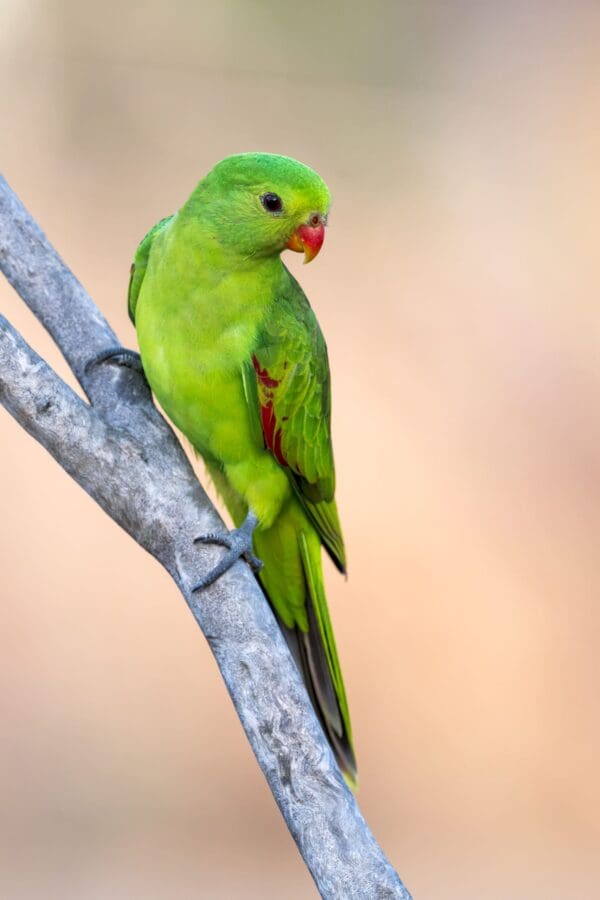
x=121 y=356
x=238 y=543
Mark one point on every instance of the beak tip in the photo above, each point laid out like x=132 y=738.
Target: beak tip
x=307 y=239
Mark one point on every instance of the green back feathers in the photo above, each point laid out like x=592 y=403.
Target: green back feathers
x=140 y=264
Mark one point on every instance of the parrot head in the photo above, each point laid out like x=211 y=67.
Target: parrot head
x=259 y=204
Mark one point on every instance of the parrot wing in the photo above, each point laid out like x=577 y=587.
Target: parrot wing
x=139 y=266
x=290 y=391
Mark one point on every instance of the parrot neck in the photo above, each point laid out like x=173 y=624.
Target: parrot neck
x=205 y=260
x=203 y=241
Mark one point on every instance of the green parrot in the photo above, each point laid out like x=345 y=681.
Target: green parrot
x=234 y=354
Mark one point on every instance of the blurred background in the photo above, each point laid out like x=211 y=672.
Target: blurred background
x=458 y=293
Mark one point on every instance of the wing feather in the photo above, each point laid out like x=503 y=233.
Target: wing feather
x=293 y=393
x=139 y=266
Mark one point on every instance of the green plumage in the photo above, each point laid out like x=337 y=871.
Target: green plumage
x=235 y=356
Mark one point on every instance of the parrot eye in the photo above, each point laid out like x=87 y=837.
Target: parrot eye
x=272 y=203
x=315 y=220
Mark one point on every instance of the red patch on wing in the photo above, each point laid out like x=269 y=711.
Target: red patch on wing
x=276 y=448
x=273 y=434
x=263 y=375
x=267 y=417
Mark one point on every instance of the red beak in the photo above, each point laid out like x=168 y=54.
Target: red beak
x=307 y=239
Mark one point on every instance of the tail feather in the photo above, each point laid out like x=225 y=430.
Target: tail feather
x=321 y=651
x=318 y=670
x=339 y=741
x=292 y=579
x=301 y=609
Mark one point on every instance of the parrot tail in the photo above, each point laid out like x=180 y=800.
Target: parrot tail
x=312 y=644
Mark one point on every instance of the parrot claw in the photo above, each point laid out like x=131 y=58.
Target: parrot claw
x=119 y=355
x=238 y=543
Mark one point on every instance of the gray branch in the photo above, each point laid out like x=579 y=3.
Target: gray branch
x=124 y=454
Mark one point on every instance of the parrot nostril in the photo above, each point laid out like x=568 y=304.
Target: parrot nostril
x=315 y=220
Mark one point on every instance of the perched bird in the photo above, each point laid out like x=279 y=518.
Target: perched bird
x=234 y=354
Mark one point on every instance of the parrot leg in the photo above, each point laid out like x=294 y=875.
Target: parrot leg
x=238 y=543
x=119 y=355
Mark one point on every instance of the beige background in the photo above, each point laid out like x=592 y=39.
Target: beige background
x=458 y=293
